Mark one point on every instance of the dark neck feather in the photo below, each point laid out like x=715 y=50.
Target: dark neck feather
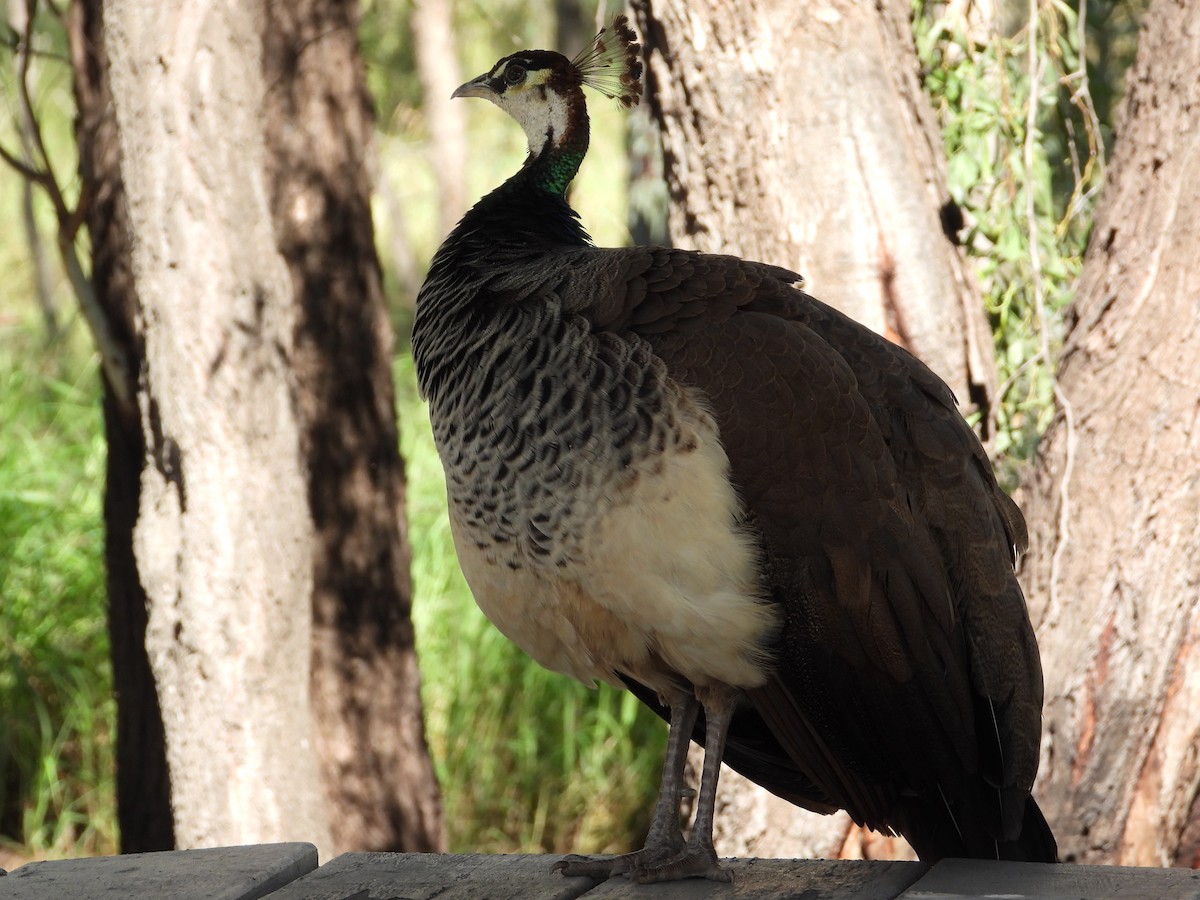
x=532 y=203
x=518 y=214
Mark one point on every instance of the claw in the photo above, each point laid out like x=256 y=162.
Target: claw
x=601 y=867
x=604 y=867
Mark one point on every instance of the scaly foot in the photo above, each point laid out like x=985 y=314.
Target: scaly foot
x=604 y=867
x=692 y=863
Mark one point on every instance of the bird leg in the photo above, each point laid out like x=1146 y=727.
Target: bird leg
x=664 y=840
x=699 y=858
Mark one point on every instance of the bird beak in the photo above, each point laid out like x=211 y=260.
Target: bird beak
x=476 y=87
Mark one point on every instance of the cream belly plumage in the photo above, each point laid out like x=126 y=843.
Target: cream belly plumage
x=665 y=588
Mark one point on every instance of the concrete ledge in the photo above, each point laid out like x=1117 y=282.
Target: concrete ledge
x=222 y=873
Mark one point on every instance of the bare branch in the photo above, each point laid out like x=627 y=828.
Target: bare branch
x=25 y=96
x=113 y=359
x=38 y=169
x=37 y=176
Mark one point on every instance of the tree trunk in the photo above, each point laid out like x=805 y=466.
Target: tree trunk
x=143 y=783
x=795 y=132
x=1115 y=507
x=378 y=779
x=223 y=539
x=437 y=65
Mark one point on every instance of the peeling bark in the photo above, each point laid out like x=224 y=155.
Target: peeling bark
x=223 y=537
x=378 y=779
x=796 y=133
x=249 y=429
x=1114 y=572
x=143 y=781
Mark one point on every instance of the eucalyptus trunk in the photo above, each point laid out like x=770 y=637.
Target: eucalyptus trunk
x=223 y=541
x=259 y=594
x=1114 y=574
x=143 y=781
x=378 y=780
x=437 y=65
x=795 y=132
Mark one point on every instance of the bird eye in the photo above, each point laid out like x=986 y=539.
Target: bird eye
x=514 y=74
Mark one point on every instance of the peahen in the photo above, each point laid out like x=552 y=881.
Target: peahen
x=677 y=472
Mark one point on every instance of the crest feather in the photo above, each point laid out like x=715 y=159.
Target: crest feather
x=610 y=64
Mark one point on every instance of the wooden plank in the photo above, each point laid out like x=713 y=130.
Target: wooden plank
x=219 y=873
x=423 y=876
x=780 y=879
x=962 y=879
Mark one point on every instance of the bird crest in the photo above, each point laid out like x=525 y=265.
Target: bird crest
x=610 y=63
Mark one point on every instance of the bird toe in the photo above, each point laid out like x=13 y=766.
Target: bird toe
x=691 y=864
x=589 y=867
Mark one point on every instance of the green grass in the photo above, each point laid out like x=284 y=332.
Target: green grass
x=1028 y=186
x=528 y=760
x=56 y=755
x=56 y=706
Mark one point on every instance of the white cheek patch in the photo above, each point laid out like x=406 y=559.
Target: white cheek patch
x=541 y=113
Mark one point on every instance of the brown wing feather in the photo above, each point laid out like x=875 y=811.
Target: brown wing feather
x=906 y=664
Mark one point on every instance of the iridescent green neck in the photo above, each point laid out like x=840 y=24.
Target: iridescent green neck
x=556 y=166
x=555 y=170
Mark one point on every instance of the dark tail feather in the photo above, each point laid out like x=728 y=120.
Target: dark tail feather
x=929 y=825
x=936 y=834
x=1036 y=843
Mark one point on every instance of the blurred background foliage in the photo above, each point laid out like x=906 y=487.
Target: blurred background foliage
x=530 y=761
x=1025 y=93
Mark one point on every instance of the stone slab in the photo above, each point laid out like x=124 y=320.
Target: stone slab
x=423 y=876
x=962 y=879
x=446 y=876
x=779 y=879
x=220 y=873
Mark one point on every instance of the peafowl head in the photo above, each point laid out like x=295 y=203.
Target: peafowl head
x=542 y=90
